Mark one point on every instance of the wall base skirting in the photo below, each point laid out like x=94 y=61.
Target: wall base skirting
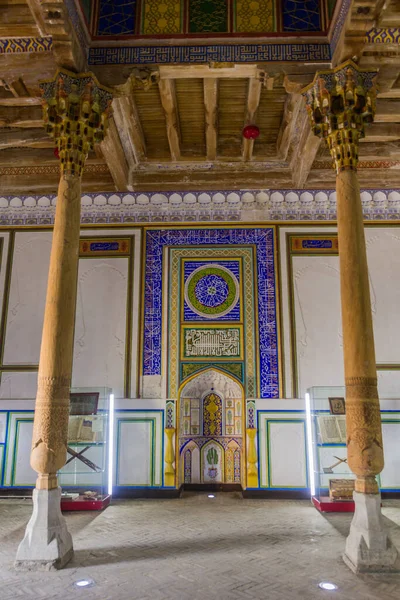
x=277 y=494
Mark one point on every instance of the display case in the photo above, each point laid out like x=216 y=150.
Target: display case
x=331 y=481
x=86 y=478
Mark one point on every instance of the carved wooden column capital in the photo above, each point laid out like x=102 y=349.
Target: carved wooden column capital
x=76 y=109
x=340 y=103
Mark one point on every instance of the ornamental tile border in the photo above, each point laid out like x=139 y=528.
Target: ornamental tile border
x=235 y=53
x=200 y=206
x=26 y=44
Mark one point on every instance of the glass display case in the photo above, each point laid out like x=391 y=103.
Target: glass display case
x=86 y=478
x=331 y=481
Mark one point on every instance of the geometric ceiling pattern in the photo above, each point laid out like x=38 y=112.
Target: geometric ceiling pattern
x=205 y=17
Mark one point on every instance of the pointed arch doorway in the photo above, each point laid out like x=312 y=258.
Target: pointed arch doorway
x=211 y=432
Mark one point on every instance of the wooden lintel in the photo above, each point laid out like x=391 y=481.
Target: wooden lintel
x=253 y=100
x=168 y=101
x=13 y=138
x=211 y=115
x=129 y=128
x=206 y=71
x=291 y=112
x=114 y=156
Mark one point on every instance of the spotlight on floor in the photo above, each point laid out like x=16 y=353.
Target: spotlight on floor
x=84 y=583
x=325 y=585
x=211 y=496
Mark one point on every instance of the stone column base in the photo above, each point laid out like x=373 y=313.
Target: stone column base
x=368 y=547
x=47 y=544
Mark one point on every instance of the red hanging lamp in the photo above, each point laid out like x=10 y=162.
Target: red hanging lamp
x=251 y=132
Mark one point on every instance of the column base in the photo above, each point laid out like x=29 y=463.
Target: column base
x=47 y=544
x=369 y=547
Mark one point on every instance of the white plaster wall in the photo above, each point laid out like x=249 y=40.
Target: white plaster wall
x=5 y=237
x=318 y=321
x=18 y=385
x=317 y=317
x=27 y=297
x=100 y=324
x=284 y=295
x=383 y=253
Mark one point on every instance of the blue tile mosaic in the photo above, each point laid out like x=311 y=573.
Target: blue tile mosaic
x=116 y=17
x=233 y=266
x=263 y=240
x=301 y=15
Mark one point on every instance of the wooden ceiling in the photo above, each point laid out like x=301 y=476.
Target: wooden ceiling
x=180 y=126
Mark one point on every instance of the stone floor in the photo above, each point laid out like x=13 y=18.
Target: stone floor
x=198 y=548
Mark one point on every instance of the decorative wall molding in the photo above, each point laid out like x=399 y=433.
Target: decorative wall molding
x=232 y=53
x=200 y=206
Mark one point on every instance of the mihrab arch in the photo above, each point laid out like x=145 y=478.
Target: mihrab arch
x=211 y=430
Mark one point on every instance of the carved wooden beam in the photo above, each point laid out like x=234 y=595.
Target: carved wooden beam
x=285 y=136
x=36 y=10
x=113 y=153
x=168 y=101
x=305 y=152
x=130 y=130
x=68 y=50
x=253 y=100
x=211 y=116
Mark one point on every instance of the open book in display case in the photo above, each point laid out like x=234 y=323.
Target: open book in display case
x=86 y=478
x=331 y=480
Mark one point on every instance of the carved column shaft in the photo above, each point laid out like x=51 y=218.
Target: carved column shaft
x=50 y=429
x=340 y=104
x=75 y=114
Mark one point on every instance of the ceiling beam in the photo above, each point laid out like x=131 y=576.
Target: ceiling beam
x=21 y=116
x=12 y=138
x=382 y=132
x=210 y=87
x=253 y=100
x=130 y=130
x=387 y=111
x=36 y=10
x=21 y=101
x=113 y=154
x=290 y=115
x=305 y=152
x=168 y=101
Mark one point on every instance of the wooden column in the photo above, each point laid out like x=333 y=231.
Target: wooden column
x=363 y=419
x=75 y=114
x=340 y=104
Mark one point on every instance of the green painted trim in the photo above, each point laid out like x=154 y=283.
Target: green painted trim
x=6 y=292
x=152 y=421
x=268 y=422
x=14 y=455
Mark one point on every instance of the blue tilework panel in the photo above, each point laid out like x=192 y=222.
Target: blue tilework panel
x=301 y=15
x=263 y=240
x=190 y=266
x=116 y=17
